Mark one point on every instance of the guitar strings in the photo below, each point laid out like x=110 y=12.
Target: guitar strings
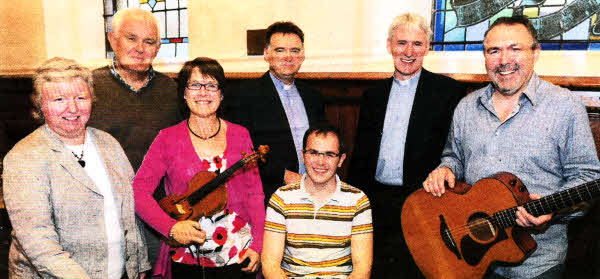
x=555 y=200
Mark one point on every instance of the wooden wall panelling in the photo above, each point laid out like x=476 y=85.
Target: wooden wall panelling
x=342 y=107
x=342 y=94
x=15 y=112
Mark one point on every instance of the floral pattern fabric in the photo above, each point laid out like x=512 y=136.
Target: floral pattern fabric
x=227 y=234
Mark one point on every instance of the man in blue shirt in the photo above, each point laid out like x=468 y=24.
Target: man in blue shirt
x=276 y=108
x=404 y=121
x=523 y=125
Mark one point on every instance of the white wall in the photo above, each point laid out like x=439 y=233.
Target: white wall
x=340 y=36
x=22 y=36
x=74 y=29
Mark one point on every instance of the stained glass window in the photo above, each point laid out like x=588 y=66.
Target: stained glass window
x=173 y=19
x=561 y=24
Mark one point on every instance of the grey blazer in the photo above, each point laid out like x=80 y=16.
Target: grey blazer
x=57 y=211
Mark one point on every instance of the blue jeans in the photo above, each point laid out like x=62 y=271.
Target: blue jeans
x=555 y=272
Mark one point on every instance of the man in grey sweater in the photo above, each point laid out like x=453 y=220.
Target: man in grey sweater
x=134 y=102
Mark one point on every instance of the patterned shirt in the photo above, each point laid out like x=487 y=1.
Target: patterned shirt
x=227 y=234
x=296 y=115
x=318 y=239
x=546 y=142
x=390 y=163
x=115 y=73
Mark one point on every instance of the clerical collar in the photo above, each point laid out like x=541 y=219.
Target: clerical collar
x=411 y=82
x=116 y=75
x=280 y=85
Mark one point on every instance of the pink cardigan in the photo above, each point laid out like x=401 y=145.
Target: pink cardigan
x=172 y=155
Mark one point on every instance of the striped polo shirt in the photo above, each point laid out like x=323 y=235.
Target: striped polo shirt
x=318 y=239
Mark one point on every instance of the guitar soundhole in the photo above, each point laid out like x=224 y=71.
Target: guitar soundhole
x=481 y=227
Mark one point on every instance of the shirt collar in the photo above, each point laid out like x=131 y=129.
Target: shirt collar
x=410 y=83
x=116 y=75
x=336 y=197
x=530 y=92
x=281 y=87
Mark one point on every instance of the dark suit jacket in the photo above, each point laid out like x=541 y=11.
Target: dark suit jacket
x=435 y=99
x=256 y=106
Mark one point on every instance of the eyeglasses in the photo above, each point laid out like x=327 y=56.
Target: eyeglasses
x=212 y=87
x=315 y=154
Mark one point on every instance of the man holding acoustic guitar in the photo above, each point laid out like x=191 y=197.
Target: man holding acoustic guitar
x=526 y=126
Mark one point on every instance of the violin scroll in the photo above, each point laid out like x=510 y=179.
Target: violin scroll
x=263 y=150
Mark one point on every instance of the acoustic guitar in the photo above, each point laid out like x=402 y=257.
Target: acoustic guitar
x=459 y=234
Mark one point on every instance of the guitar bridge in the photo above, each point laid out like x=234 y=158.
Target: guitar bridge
x=447 y=238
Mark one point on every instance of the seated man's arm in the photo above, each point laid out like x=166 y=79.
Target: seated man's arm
x=272 y=254
x=361 y=241
x=361 y=246
x=291 y=177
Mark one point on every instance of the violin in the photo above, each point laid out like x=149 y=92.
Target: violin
x=207 y=191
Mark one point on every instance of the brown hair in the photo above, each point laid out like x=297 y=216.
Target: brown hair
x=208 y=67
x=285 y=27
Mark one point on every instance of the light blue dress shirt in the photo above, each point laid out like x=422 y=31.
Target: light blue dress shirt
x=296 y=115
x=390 y=162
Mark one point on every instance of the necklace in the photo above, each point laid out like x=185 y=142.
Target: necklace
x=79 y=158
x=202 y=138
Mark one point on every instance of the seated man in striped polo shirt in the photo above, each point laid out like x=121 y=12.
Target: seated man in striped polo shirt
x=319 y=227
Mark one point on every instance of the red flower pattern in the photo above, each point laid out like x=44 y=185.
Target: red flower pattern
x=178 y=255
x=232 y=252
x=241 y=254
x=226 y=236
x=220 y=235
x=204 y=261
x=218 y=162
x=205 y=165
x=183 y=257
x=238 y=223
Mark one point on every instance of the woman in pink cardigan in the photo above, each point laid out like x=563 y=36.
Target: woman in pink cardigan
x=227 y=244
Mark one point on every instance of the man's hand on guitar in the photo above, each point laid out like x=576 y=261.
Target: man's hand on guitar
x=187 y=232
x=435 y=182
x=524 y=219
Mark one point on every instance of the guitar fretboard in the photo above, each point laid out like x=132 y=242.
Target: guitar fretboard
x=552 y=203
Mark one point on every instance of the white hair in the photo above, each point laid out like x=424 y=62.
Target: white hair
x=137 y=13
x=410 y=19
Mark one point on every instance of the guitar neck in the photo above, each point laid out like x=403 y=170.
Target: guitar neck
x=216 y=182
x=552 y=203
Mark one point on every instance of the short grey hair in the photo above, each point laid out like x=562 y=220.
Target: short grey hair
x=54 y=70
x=138 y=13
x=410 y=19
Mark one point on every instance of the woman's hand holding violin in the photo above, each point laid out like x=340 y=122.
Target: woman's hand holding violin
x=187 y=232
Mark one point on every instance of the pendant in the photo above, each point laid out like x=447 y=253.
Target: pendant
x=81 y=162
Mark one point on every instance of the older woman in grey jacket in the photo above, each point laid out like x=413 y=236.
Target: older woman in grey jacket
x=67 y=188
